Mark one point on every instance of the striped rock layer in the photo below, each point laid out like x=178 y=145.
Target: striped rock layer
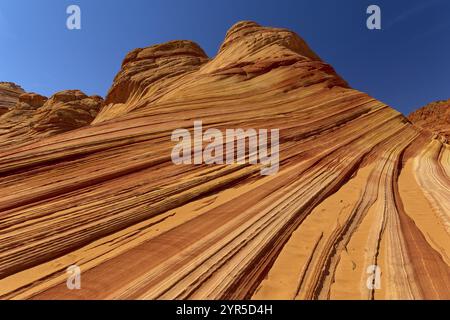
x=359 y=187
x=9 y=95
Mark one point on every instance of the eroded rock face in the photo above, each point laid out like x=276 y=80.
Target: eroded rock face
x=9 y=95
x=34 y=116
x=434 y=117
x=150 y=72
x=66 y=110
x=247 y=43
x=359 y=187
x=22 y=111
x=157 y=73
x=31 y=101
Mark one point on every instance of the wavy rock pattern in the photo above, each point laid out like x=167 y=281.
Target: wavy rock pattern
x=358 y=185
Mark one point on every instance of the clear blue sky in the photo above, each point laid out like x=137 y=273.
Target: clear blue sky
x=406 y=65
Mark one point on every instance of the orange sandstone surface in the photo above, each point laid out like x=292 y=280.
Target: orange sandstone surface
x=91 y=183
x=434 y=117
x=9 y=95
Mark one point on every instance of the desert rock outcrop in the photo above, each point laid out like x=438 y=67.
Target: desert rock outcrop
x=359 y=187
x=9 y=95
x=34 y=116
x=434 y=117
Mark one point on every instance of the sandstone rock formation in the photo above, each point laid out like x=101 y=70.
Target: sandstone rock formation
x=434 y=117
x=9 y=95
x=34 y=116
x=66 y=110
x=358 y=187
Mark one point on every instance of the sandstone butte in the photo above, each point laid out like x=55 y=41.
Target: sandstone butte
x=91 y=183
